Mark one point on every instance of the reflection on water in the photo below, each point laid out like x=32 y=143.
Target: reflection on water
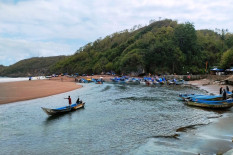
x=117 y=119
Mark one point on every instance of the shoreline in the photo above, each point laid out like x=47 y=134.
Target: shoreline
x=218 y=130
x=217 y=134
x=26 y=90
x=209 y=86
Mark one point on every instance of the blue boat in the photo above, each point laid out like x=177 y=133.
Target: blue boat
x=64 y=109
x=208 y=97
x=188 y=96
x=222 y=104
x=201 y=97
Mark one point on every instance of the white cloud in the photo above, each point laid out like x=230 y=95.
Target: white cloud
x=39 y=21
x=15 y=50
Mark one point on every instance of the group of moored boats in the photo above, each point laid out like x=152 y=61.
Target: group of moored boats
x=97 y=81
x=198 y=100
x=208 y=101
x=147 y=80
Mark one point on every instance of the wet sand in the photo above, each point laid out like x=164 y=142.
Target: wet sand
x=26 y=90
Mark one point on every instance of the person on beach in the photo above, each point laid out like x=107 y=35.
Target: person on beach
x=77 y=102
x=220 y=91
x=227 y=88
x=69 y=100
x=224 y=95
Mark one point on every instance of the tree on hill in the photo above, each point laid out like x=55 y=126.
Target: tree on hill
x=227 y=59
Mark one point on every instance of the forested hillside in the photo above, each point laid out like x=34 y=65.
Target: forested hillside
x=31 y=67
x=163 y=47
x=2 y=68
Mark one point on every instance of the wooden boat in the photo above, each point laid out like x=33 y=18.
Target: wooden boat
x=188 y=96
x=179 y=82
x=63 y=110
x=170 y=82
x=202 y=97
x=222 y=104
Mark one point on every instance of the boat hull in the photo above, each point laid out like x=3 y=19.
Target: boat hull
x=63 y=110
x=212 y=105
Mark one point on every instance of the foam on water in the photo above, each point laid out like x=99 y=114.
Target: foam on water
x=8 y=79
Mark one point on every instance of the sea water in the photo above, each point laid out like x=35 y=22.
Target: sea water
x=11 y=79
x=8 y=79
x=117 y=119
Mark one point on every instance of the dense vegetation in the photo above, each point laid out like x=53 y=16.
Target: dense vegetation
x=161 y=47
x=2 y=68
x=31 y=67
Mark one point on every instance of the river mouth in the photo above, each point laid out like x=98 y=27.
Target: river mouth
x=117 y=119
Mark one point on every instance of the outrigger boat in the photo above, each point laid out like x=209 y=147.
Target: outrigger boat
x=222 y=104
x=65 y=109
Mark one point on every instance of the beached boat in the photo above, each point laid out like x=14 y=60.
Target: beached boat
x=63 y=110
x=202 y=97
x=170 y=82
x=223 y=104
x=188 y=96
x=179 y=82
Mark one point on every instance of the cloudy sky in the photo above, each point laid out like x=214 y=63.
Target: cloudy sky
x=36 y=28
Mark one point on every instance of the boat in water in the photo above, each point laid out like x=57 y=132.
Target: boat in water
x=204 y=97
x=222 y=104
x=64 y=109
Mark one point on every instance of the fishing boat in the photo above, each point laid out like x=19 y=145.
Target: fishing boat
x=179 y=82
x=202 y=97
x=65 y=109
x=222 y=104
x=188 y=96
x=170 y=82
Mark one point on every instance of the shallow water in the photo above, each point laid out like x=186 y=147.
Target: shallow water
x=117 y=119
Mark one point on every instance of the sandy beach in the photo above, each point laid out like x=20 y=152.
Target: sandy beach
x=209 y=86
x=219 y=132
x=26 y=90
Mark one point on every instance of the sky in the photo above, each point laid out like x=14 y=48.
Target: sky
x=41 y=28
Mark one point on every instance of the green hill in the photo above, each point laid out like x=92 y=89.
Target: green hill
x=2 y=68
x=31 y=67
x=161 y=47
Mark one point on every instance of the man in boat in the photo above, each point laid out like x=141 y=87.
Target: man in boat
x=69 y=99
x=227 y=88
x=77 y=102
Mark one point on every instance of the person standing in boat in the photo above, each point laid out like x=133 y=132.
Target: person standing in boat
x=220 y=91
x=227 y=88
x=69 y=100
x=224 y=95
x=77 y=102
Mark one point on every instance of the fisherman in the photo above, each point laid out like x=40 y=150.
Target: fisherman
x=224 y=95
x=77 y=102
x=69 y=99
x=227 y=88
x=220 y=91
